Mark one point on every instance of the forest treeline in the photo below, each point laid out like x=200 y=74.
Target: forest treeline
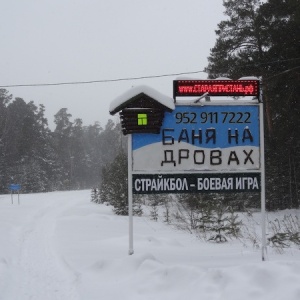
x=39 y=159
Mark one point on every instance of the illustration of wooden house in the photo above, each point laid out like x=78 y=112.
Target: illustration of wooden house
x=141 y=110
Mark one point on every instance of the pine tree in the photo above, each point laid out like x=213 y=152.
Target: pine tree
x=5 y=99
x=224 y=223
x=239 y=41
x=154 y=202
x=94 y=195
x=114 y=186
x=263 y=39
x=167 y=212
x=93 y=155
x=78 y=163
x=62 y=144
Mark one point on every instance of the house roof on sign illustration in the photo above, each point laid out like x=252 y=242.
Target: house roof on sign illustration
x=141 y=96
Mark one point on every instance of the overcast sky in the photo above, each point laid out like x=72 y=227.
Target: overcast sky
x=52 y=41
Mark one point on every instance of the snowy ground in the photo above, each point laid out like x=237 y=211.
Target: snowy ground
x=61 y=246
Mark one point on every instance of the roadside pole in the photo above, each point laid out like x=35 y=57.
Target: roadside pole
x=130 y=205
x=263 y=183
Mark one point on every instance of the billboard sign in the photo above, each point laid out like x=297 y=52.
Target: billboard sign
x=215 y=87
x=196 y=183
x=220 y=138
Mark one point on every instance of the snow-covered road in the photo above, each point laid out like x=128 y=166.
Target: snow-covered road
x=61 y=246
x=37 y=271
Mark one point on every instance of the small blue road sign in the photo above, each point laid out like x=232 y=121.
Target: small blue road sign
x=14 y=187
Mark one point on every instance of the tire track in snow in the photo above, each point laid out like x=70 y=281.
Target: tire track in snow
x=40 y=273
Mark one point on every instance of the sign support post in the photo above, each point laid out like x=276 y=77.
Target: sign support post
x=130 y=202
x=263 y=184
